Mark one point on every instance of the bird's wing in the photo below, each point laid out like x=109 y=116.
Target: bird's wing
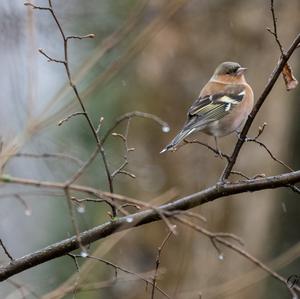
x=213 y=107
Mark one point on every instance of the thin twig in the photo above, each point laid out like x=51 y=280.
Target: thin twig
x=74 y=220
x=83 y=167
x=21 y=289
x=214 y=150
x=100 y=200
x=132 y=114
x=101 y=119
x=274 y=32
x=294 y=188
x=49 y=155
x=269 y=152
x=91 y=35
x=261 y=129
x=117 y=267
x=92 y=286
x=124 y=138
x=76 y=283
x=24 y=203
x=218 y=238
x=259 y=175
x=186 y=213
x=157 y=262
x=240 y=174
x=36 y=6
x=50 y=59
x=65 y=62
x=69 y=116
x=126 y=205
x=5 y=250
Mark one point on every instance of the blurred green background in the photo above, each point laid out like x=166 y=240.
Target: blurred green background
x=152 y=56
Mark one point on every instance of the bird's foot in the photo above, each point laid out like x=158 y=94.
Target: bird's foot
x=238 y=135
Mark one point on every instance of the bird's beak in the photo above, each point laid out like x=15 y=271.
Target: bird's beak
x=241 y=70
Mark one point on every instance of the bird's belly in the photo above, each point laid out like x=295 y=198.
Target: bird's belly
x=226 y=125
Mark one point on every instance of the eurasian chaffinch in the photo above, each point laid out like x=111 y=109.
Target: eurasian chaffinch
x=222 y=107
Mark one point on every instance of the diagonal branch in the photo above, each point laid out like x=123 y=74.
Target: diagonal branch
x=150 y=215
x=276 y=73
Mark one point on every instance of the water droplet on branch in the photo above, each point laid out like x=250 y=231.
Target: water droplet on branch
x=83 y=253
x=129 y=219
x=165 y=128
x=221 y=257
x=28 y=212
x=81 y=209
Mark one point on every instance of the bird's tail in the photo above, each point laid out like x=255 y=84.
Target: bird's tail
x=178 y=138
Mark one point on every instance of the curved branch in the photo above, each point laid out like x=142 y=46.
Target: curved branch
x=150 y=215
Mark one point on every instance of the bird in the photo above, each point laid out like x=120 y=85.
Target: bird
x=222 y=107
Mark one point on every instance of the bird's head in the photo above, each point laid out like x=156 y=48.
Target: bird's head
x=229 y=72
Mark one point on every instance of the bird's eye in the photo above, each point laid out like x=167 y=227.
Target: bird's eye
x=232 y=70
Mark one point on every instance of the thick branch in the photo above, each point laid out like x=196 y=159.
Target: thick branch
x=147 y=216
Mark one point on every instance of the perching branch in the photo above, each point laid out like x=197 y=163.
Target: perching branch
x=150 y=215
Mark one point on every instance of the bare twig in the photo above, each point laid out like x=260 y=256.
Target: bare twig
x=261 y=129
x=99 y=200
x=132 y=114
x=24 y=203
x=157 y=262
x=49 y=155
x=294 y=188
x=76 y=283
x=83 y=167
x=91 y=35
x=50 y=59
x=186 y=213
x=259 y=175
x=269 y=152
x=74 y=220
x=274 y=32
x=214 y=150
x=5 y=250
x=101 y=119
x=36 y=6
x=65 y=62
x=21 y=288
x=219 y=238
x=69 y=116
x=74 y=258
x=240 y=174
x=137 y=207
x=117 y=267
x=92 y=286
x=124 y=138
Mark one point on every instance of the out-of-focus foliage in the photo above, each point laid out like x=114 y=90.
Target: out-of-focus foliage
x=152 y=56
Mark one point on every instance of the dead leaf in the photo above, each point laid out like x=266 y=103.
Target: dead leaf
x=290 y=81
